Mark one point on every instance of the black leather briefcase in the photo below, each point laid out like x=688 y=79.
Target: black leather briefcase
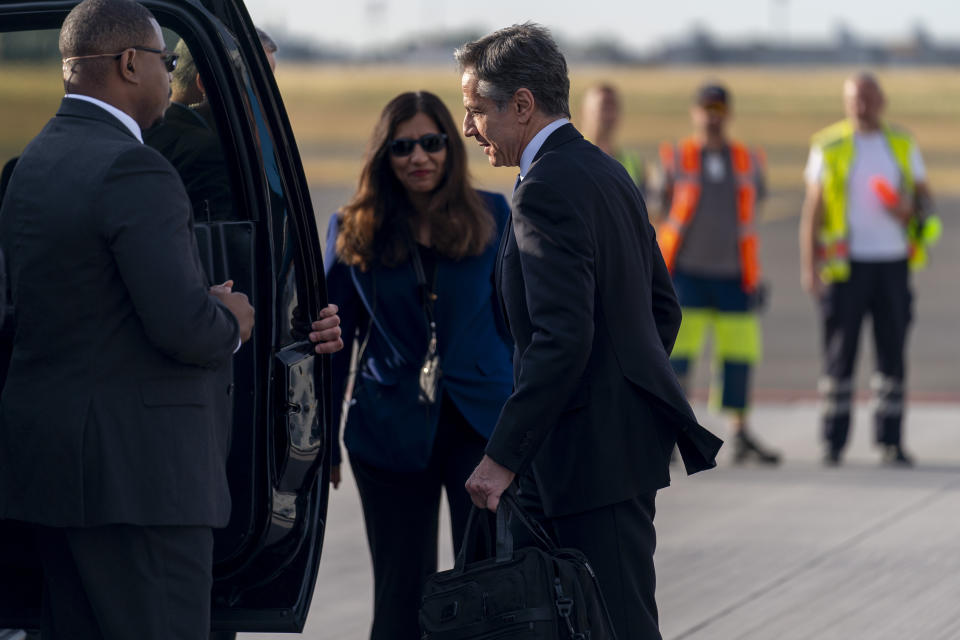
x=532 y=593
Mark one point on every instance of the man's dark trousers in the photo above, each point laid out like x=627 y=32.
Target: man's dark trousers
x=881 y=289
x=619 y=541
x=166 y=594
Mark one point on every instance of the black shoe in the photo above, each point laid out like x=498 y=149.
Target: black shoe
x=831 y=457
x=894 y=455
x=745 y=447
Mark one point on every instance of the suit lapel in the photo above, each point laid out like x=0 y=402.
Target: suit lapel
x=498 y=268
x=564 y=134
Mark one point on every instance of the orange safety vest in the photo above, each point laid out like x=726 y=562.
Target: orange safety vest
x=686 y=196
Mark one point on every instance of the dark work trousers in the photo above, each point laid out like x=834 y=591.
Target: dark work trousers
x=619 y=541
x=401 y=513
x=117 y=582
x=881 y=289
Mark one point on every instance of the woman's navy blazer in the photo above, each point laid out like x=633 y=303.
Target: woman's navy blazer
x=386 y=426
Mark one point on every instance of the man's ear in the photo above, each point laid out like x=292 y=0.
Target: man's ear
x=524 y=103
x=200 y=85
x=128 y=69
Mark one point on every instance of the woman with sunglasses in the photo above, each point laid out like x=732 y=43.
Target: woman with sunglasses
x=410 y=262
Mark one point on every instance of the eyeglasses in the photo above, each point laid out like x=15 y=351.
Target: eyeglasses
x=431 y=143
x=169 y=59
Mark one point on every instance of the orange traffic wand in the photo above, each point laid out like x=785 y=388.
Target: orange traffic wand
x=885 y=191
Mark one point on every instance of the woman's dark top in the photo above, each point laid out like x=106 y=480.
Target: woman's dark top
x=387 y=426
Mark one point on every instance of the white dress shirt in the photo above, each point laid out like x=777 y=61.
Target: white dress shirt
x=530 y=151
x=124 y=118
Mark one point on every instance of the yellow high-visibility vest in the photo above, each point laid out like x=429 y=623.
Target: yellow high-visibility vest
x=836 y=143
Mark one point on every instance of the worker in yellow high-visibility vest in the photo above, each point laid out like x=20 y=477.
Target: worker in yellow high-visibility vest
x=600 y=118
x=709 y=243
x=866 y=222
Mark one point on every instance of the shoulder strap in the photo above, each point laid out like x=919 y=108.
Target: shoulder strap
x=366 y=338
x=427 y=294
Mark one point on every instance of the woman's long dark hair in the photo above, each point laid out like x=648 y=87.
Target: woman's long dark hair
x=373 y=225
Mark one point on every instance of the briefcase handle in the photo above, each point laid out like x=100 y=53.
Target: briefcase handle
x=477 y=524
x=510 y=507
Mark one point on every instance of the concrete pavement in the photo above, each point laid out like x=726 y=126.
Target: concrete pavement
x=796 y=552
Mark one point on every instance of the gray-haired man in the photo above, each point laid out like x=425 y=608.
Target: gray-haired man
x=596 y=408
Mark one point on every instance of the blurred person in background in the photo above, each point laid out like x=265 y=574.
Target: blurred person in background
x=187 y=136
x=191 y=144
x=708 y=238
x=410 y=263
x=866 y=222
x=270 y=47
x=600 y=119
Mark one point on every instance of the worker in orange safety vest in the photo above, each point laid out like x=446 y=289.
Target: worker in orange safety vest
x=708 y=239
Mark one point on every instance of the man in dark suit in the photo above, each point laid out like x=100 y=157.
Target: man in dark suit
x=596 y=408
x=191 y=145
x=115 y=413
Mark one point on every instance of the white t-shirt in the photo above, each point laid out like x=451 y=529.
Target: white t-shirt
x=875 y=235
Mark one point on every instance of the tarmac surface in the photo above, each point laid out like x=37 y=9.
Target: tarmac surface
x=795 y=552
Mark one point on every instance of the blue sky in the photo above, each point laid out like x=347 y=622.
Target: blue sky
x=637 y=24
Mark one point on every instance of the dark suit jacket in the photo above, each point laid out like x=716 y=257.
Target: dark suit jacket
x=193 y=148
x=596 y=407
x=387 y=427
x=116 y=404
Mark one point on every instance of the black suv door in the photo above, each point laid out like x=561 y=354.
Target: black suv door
x=263 y=237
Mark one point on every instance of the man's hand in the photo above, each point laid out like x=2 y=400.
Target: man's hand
x=488 y=482
x=811 y=283
x=325 y=332
x=903 y=210
x=239 y=306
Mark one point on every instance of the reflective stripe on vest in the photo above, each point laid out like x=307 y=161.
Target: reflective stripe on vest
x=837 y=145
x=684 y=164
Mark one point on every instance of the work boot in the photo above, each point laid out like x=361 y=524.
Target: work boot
x=894 y=455
x=745 y=447
x=831 y=457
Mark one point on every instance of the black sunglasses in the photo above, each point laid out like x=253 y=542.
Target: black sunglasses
x=169 y=59
x=431 y=143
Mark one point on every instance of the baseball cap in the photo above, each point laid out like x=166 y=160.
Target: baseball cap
x=712 y=94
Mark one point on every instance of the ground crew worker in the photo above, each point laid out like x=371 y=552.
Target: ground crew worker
x=866 y=221
x=709 y=243
x=599 y=122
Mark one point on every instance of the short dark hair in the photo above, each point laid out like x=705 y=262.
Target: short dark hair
x=103 y=26
x=184 y=77
x=268 y=43
x=521 y=56
x=711 y=93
